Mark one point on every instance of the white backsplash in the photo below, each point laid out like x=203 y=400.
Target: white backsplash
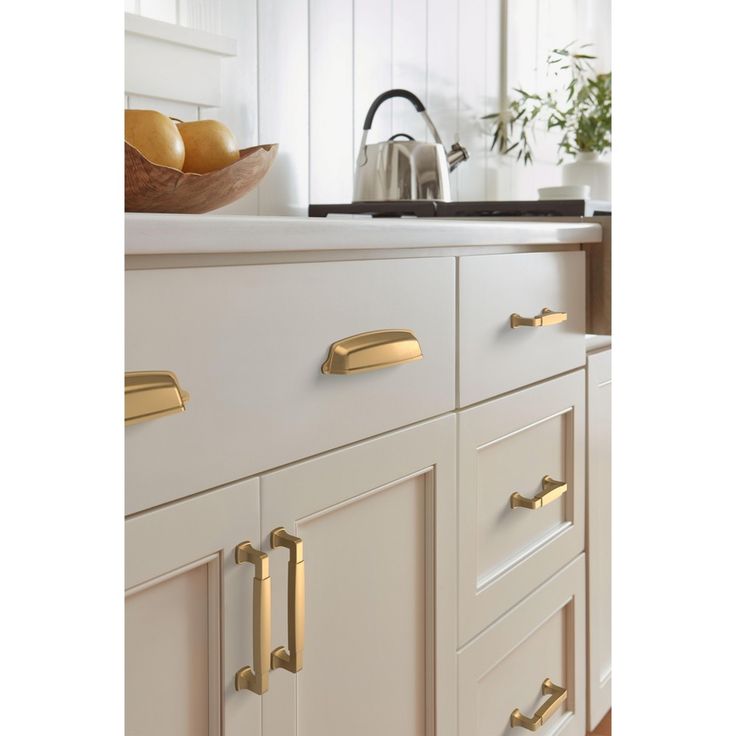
x=307 y=70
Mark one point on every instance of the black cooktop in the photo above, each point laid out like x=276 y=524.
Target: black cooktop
x=434 y=208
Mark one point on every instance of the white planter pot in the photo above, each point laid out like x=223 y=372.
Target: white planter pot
x=590 y=169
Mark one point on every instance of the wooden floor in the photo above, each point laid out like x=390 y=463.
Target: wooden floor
x=603 y=728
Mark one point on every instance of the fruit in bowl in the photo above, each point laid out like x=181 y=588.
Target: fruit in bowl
x=208 y=145
x=156 y=136
x=190 y=168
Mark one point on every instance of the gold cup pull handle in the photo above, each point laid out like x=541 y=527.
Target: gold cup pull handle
x=551 y=491
x=291 y=660
x=370 y=351
x=558 y=695
x=152 y=394
x=546 y=318
x=255 y=678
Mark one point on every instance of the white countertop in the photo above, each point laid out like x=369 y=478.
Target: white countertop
x=176 y=234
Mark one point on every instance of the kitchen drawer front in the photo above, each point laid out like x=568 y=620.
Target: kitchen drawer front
x=496 y=358
x=248 y=344
x=505 y=668
x=506 y=446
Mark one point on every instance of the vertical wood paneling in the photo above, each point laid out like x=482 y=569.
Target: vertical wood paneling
x=442 y=40
x=240 y=87
x=372 y=74
x=331 y=100
x=471 y=176
x=307 y=71
x=494 y=175
x=159 y=9
x=409 y=45
x=283 y=84
x=206 y=15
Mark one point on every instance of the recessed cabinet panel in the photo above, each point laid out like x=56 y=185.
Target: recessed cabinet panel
x=495 y=357
x=248 y=343
x=540 y=641
x=189 y=616
x=519 y=461
x=599 y=535
x=377 y=522
x=529 y=445
x=168 y=656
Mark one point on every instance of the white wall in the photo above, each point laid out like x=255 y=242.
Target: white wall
x=307 y=70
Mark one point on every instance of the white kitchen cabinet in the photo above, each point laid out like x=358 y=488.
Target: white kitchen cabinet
x=494 y=356
x=530 y=443
x=189 y=616
x=248 y=344
x=599 y=536
x=378 y=527
x=542 y=640
x=408 y=595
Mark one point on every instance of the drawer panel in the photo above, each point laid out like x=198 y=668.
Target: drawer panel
x=505 y=668
x=496 y=358
x=506 y=446
x=248 y=344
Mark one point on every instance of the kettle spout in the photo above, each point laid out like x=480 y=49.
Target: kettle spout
x=456 y=156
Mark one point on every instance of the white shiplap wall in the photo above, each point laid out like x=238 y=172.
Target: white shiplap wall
x=307 y=70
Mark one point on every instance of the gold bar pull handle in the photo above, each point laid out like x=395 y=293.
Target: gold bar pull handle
x=281 y=658
x=370 y=351
x=558 y=697
x=152 y=394
x=551 y=491
x=546 y=318
x=255 y=678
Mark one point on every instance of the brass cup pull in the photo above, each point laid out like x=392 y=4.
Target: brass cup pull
x=255 y=678
x=558 y=697
x=281 y=658
x=551 y=491
x=152 y=394
x=370 y=351
x=546 y=318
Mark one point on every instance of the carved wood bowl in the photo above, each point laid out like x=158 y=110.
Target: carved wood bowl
x=153 y=188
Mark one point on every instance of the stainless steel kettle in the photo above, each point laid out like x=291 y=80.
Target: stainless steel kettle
x=404 y=169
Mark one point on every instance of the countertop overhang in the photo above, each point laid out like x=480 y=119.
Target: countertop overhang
x=149 y=234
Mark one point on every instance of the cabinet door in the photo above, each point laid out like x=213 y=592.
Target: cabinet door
x=377 y=521
x=599 y=535
x=188 y=616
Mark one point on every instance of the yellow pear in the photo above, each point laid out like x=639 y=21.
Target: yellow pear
x=155 y=136
x=208 y=145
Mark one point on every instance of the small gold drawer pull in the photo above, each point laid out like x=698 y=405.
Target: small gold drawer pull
x=370 y=351
x=152 y=394
x=546 y=318
x=291 y=660
x=551 y=491
x=559 y=696
x=255 y=678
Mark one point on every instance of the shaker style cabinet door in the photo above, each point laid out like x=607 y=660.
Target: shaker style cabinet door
x=521 y=491
x=527 y=671
x=364 y=588
x=599 y=535
x=189 y=616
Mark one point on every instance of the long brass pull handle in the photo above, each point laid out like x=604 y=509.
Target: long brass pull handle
x=546 y=318
x=551 y=491
x=281 y=658
x=559 y=696
x=152 y=394
x=255 y=678
x=370 y=351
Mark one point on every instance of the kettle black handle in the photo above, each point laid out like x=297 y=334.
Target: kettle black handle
x=387 y=96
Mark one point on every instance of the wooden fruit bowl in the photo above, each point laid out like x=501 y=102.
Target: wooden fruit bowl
x=153 y=188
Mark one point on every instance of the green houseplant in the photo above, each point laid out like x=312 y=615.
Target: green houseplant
x=579 y=107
